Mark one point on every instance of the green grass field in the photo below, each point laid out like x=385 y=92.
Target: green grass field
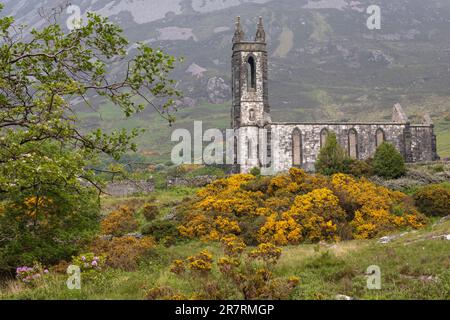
x=413 y=266
x=443 y=139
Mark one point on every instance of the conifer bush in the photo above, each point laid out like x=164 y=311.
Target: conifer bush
x=388 y=162
x=331 y=157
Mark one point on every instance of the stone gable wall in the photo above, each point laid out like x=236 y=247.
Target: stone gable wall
x=423 y=143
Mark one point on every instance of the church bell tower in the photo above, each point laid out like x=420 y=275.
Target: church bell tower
x=250 y=111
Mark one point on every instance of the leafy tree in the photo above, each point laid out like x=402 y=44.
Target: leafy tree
x=388 y=162
x=46 y=228
x=44 y=154
x=331 y=157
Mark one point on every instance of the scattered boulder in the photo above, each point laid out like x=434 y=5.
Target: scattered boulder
x=343 y=297
x=387 y=239
x=196 y=71
x=442 y=220
x=377 y=56
x=106 y=237
x=218 y=90
x=136 y=235
x=170 y=216
x=424 y=278
x=442 y=237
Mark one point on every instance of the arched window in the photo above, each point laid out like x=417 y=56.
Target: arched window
x=380 y=137
x=251 y=115
x=323 y=137
x=251 y=73
x=353 y=144
x=249 y=149
x=268 y=160
x=296 y=147
x=235 y=146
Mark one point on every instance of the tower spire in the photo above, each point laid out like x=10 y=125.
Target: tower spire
x=260 y=33
x=238 y=33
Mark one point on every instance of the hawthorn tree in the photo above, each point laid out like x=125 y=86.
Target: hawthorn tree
x=44 y=155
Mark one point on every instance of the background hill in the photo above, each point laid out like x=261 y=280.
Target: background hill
x=324 y=62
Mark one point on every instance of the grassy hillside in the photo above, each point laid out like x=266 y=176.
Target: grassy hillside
x=413 y=266
x=324 y=63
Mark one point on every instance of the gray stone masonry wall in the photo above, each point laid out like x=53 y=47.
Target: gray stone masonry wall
x=199 y=181
x=128 y=188
x=423 y=143
x=310 y=137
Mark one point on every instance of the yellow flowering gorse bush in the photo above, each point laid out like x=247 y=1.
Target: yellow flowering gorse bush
x=296 y=207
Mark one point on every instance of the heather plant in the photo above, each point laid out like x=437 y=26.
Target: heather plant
x=89 y=262
x=31 y=275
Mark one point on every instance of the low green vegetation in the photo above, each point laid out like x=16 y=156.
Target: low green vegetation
x=323 y=270
x=331 y=157
x=388 y=162
x=414 y=263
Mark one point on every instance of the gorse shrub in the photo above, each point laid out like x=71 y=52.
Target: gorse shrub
x=388 y=162
x=331 y=156
x=119 y=223
x=123 y=252
x=358 y=168
x=150 y=211
x=162 y=231
x=295 y=207
x=433 y=200
x=241 y=275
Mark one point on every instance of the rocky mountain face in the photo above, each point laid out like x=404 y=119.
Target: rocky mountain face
x=325 y=63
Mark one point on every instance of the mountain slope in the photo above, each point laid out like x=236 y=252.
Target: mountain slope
x=324 y=61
